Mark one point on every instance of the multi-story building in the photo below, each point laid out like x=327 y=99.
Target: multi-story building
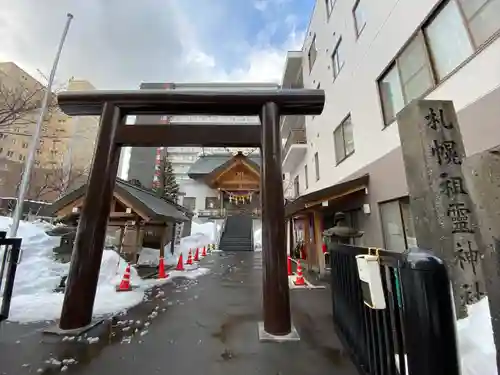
x=193 y=192
x=372 y=59
x=66 y=144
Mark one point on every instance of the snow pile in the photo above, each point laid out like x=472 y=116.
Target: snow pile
x=475 y=341
x=201 y=235
x=257 y=240
x=208 y=229
x=39 y=274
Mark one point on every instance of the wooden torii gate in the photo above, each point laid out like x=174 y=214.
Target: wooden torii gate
x=114 y=133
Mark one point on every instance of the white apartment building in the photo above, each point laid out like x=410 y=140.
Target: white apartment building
x=372 y=58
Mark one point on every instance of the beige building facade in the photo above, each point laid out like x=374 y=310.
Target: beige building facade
x=66 y=145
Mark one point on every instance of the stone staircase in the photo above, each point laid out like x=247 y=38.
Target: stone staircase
x=238 y=234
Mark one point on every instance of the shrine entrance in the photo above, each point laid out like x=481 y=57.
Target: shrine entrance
x=238 y=183
x=115 y=106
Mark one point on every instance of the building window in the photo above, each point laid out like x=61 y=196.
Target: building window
x=329 y=6
x=397 y=225
x=189 y=203
x=414 y=69
x=359 y=17
x=451 y=36
x=22 y=158
x=10 y=153
x=391 y=94
x=482 y=18
x=211 y=203
x=306 y=177
x=312 y=53
x=1 y=150
x=344 y=140
x=316 y=165
x=448 y=40
x=337 y=59
x=296 y=186
x=25 y=145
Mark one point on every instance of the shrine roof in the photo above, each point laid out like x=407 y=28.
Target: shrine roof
x=209 y=163
x=143 y=199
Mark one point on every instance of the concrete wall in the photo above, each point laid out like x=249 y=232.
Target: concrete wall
x=142 y=165
x=198 y=190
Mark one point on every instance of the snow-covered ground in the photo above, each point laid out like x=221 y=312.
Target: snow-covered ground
x=475 y=341
x=39 y=274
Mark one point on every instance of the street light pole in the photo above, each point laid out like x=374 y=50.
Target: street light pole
x=28 y=166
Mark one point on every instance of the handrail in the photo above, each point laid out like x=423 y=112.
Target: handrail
x=415 y=332
x=221 y=232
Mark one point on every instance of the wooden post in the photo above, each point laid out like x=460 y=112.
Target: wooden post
x=172 y=242
x=442 y=210
x=162 y=241
x=83 y=275
x=276 y=298
x=120 y=241
x=318 y=240
x=138 y=239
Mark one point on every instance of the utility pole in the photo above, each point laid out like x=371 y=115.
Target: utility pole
x=28 y=166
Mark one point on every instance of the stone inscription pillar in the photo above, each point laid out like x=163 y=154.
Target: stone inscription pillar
x=482 y=175
x=441 y=206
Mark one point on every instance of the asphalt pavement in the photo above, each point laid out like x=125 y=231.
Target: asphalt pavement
x=205 y=326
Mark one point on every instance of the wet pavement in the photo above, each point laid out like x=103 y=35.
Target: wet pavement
x=204 y=326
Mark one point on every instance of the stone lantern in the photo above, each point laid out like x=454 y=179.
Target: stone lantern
x=341 y=232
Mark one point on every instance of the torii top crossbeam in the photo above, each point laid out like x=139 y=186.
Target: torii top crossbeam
x=179 y=102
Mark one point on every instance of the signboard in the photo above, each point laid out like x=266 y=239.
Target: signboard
x=178 y=233
x=211 y=119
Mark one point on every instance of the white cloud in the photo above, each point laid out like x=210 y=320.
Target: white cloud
x=117 y=44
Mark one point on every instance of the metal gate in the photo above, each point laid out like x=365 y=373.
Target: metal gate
x=10 y=250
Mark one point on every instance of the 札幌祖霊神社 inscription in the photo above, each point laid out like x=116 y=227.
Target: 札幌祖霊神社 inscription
x=448 y=154
x=433 y=153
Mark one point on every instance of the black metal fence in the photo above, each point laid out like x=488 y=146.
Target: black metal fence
x=415 y=333
x=10 y=250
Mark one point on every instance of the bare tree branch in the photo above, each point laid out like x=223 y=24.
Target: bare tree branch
x=55 y=183
x=21 y=101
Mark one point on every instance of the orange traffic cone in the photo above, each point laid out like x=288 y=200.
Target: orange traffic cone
x=299 y=280
x=180 y=264
x=197 y=255
x=289 y=266
x=161 y=269
x=190 y=258
x=125 y=284
x=204 y=251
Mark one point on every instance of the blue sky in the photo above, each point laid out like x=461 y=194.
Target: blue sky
x=118 y=44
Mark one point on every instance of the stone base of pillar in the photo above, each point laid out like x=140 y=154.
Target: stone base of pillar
x=58 y=331
x=267 y=337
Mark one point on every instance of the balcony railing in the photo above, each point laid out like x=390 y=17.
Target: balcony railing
x=296 y=137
